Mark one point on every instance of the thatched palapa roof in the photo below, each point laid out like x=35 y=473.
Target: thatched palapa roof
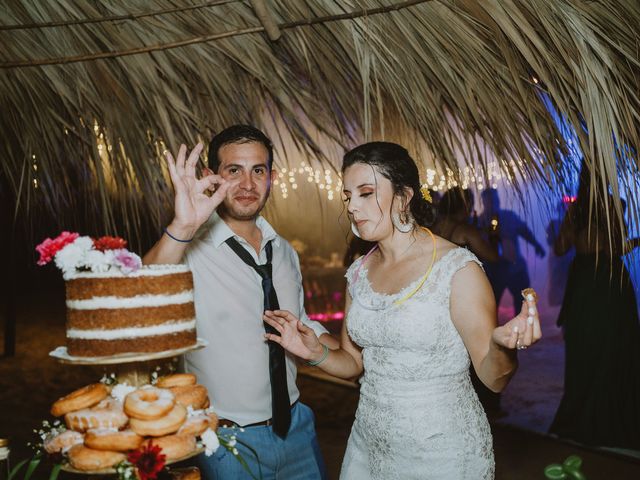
x=461 y=79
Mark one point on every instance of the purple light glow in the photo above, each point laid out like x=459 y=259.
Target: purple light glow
x=325 y=317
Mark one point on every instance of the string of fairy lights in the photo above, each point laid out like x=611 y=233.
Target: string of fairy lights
x=292 y=177
x=329 y=182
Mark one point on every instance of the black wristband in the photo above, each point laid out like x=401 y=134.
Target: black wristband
x=176 y=239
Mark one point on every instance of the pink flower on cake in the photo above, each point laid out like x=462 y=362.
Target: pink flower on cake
x=48 y=248
x=125 y=260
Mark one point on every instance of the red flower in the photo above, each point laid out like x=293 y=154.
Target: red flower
x=48 y=248
x=148 y=460
x=109 y=243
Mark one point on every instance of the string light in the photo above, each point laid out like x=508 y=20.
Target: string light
x=34 y=165
x=330 y=182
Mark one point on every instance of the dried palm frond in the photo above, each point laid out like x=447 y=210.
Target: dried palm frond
x=457 y=81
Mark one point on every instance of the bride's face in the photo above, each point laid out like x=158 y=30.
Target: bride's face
x=369 y=198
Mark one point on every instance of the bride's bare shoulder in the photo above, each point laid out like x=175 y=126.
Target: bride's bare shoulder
x=442 y=245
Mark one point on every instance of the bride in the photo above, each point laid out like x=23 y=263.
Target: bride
x=419 y=309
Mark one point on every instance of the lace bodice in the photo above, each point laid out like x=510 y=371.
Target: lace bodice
x=418 y=415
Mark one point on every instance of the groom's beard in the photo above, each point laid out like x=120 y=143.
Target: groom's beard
x=233 y=210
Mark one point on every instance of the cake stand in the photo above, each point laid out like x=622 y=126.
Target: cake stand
x=132 y=368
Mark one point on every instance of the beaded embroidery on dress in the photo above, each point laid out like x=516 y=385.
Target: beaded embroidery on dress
x=418 y=416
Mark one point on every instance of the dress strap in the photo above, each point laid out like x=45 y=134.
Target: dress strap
x=357 y=272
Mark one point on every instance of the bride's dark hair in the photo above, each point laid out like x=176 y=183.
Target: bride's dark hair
x=395 y=164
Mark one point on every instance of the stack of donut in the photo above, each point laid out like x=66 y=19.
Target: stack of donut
x=102 y=429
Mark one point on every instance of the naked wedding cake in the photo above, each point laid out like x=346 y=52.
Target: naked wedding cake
x=114 y=304
x=149 y=310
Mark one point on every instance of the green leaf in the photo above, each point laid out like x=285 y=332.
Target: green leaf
x=572 y=462
x=55 y=471
x=576 y=475
x=15 y=469
x=244 y=463
x=555 y=472
x=33 y=464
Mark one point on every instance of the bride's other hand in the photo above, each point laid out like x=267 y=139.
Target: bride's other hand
x=295 y=336
x=523 y=330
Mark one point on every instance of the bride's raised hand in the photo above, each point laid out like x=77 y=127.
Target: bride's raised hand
x=192 y=205
x=524 y=329
x=295 y=336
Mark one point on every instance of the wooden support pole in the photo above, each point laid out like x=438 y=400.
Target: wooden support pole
x=9 y=277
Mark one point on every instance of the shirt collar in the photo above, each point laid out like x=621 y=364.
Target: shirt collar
x=217 y=231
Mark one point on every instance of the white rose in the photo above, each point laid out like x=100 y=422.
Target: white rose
x=69 y=258
x=84 y=243
x=210 y=442
x=96 y=261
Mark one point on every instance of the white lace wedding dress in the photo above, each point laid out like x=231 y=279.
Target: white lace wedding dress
x=418 y=416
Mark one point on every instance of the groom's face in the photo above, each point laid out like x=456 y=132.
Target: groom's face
x=245 y=167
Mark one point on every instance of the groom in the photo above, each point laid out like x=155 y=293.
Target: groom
x=241 y=267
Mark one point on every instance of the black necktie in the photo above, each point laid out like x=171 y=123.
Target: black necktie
x=280 y=406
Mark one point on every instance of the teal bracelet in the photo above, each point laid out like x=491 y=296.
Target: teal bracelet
x=325 y=354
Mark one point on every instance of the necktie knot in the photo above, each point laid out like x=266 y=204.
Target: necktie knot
x=263 y=270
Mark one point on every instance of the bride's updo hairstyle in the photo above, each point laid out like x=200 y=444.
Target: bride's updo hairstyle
x=395 y=164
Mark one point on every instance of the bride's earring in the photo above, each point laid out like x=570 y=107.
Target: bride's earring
x=355 y=230
x=404 y=227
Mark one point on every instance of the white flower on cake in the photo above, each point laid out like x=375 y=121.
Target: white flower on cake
x=97 y=261
x=85 y=243
x=69 y=258
x=210 y=441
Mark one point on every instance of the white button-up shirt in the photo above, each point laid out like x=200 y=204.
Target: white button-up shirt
x=229 y=303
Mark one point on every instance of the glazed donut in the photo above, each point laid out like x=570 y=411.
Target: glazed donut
x=170 y=423
x=190 y=395
x=197 y=424
x=62 y=442
x=84 y=397
x=107 y=414
x=176 y=380
x=87 y=459
x=149 y=403
x=188 y=473
x=174 y=446
x=114 y=440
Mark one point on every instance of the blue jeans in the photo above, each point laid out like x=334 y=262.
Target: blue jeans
x=297 y=457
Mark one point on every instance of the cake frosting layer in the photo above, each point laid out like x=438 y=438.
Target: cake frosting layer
x=139 y=301
x=145 y=271
x=133 y=332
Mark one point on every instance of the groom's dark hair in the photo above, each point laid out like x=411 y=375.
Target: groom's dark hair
x=237 y=134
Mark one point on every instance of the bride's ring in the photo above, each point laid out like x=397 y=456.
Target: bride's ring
x=519 y=346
